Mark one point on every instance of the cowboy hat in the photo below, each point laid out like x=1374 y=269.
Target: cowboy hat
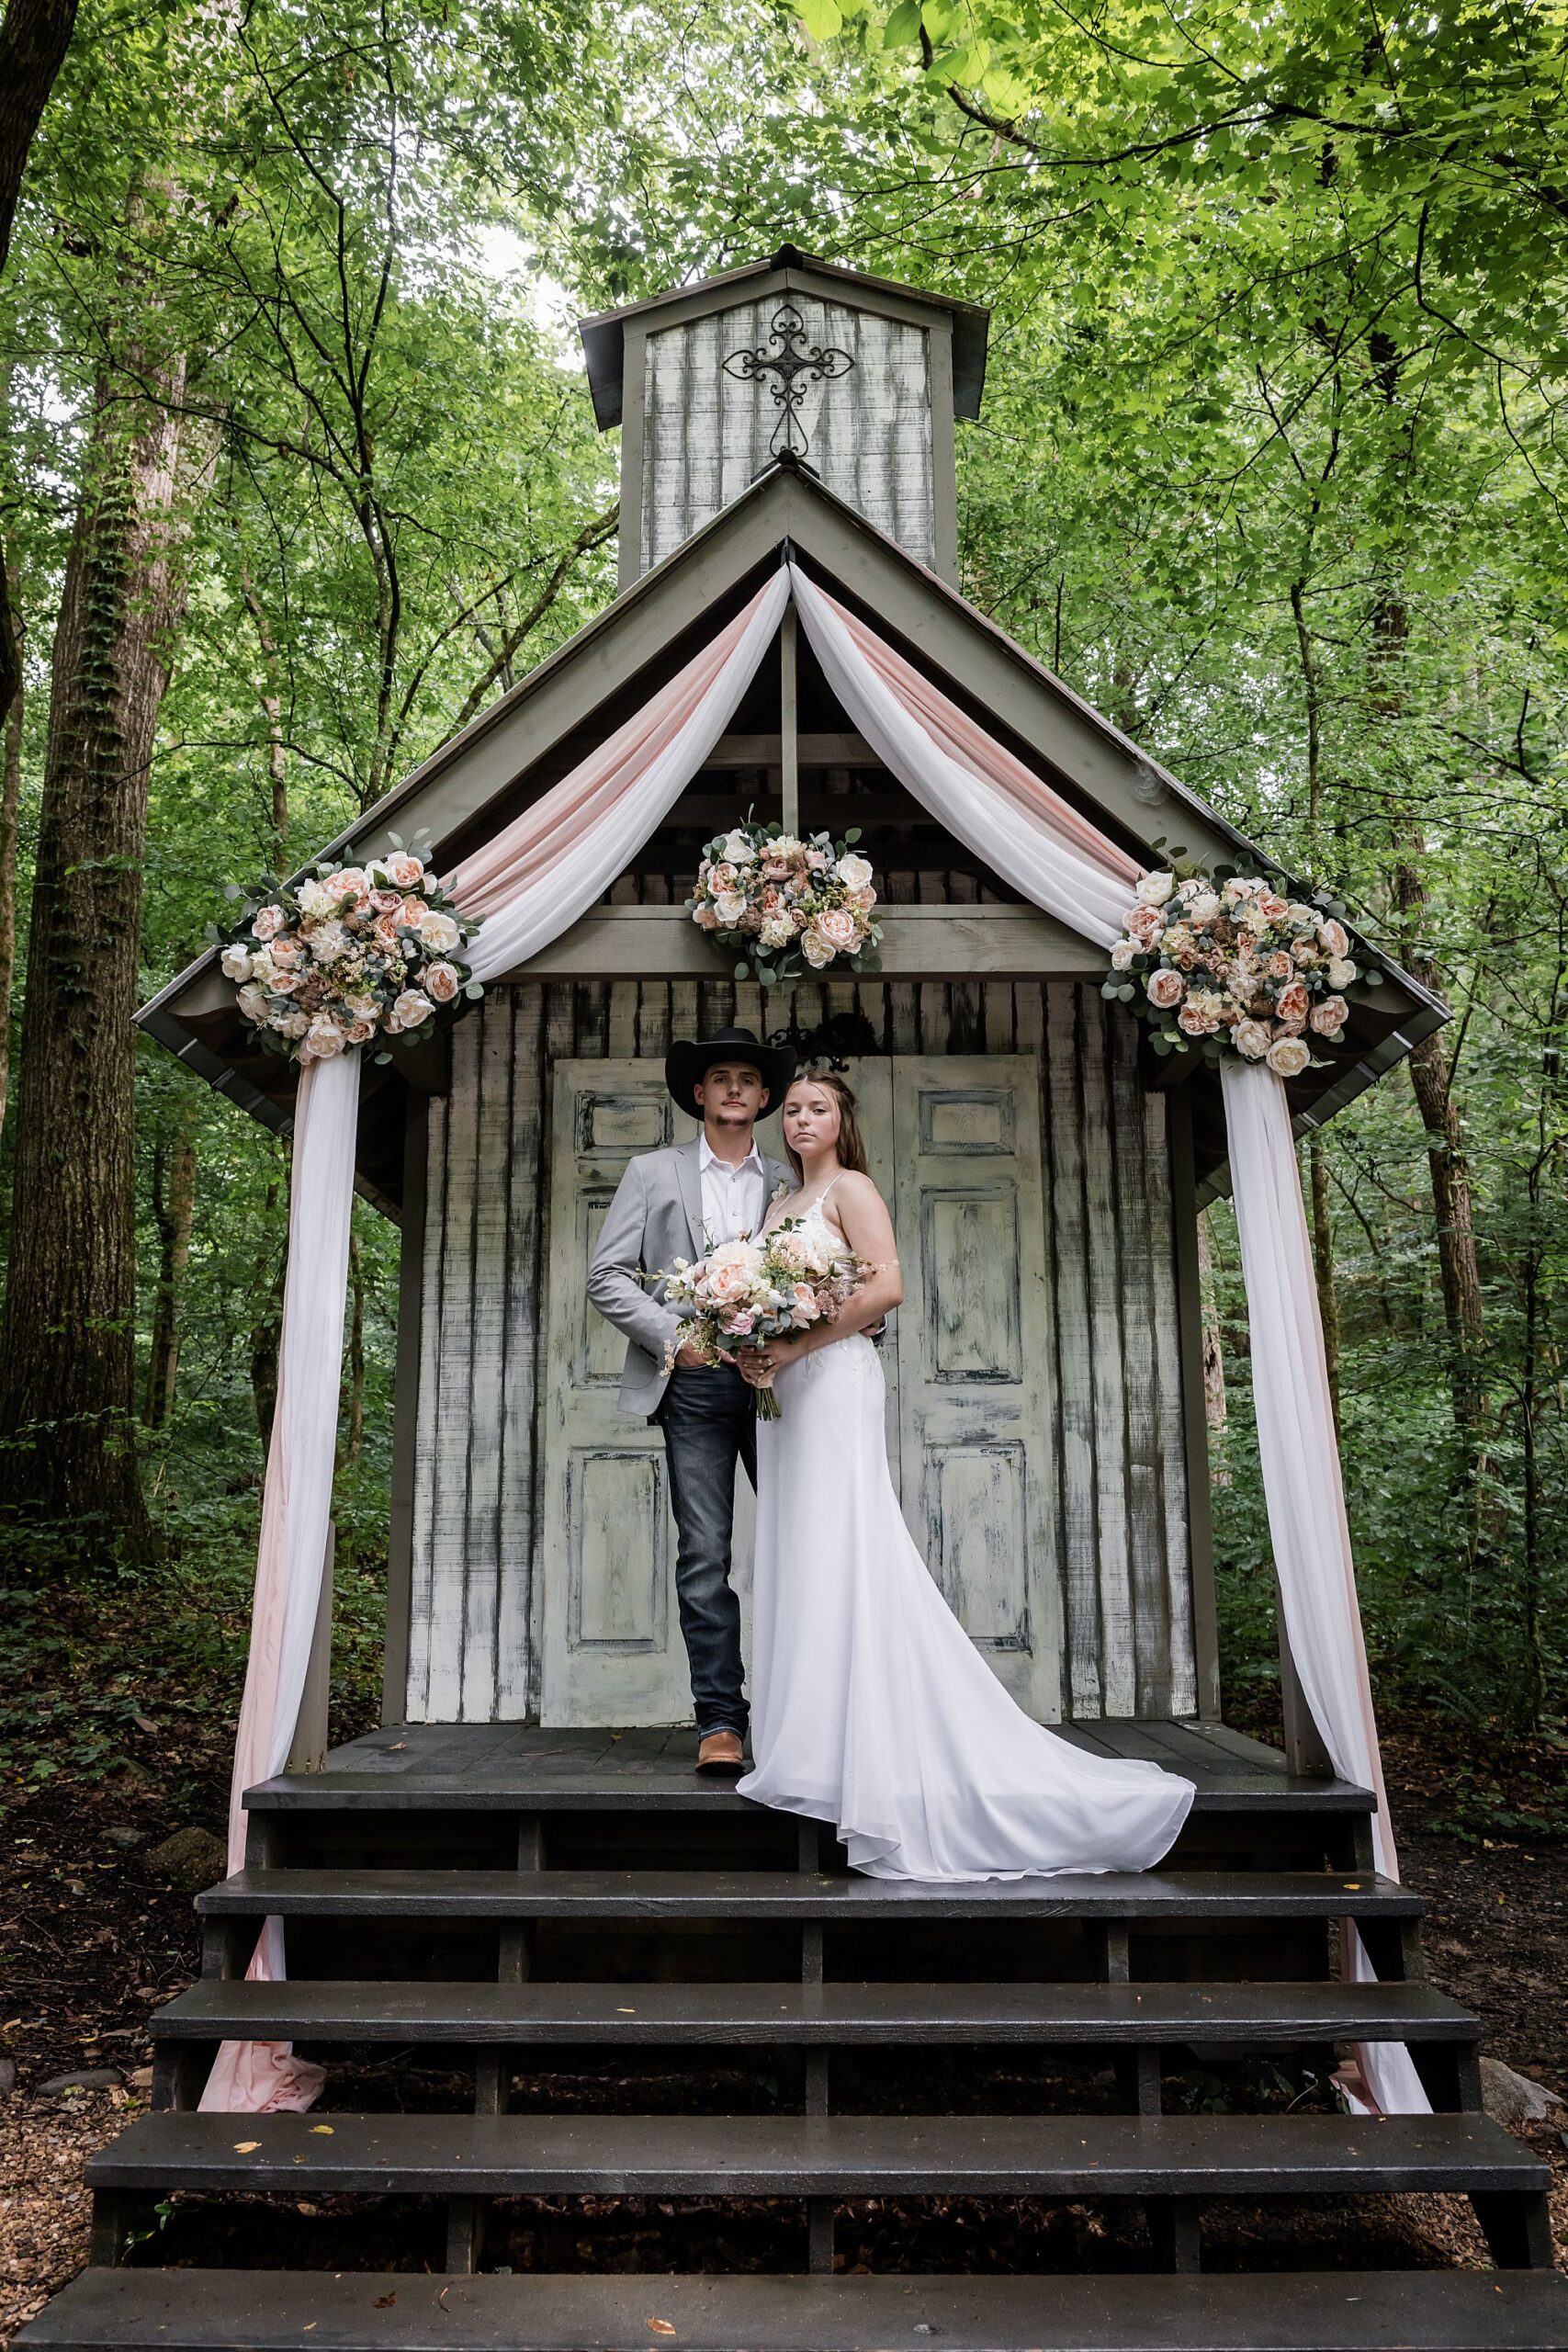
x=690 y=1060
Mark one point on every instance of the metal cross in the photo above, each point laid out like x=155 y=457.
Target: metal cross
x=797 y=365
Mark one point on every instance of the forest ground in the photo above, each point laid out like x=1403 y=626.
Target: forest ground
x=97 y=1941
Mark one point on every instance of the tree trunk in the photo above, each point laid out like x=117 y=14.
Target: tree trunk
x=266 y=1331
x=174 y=1208
x=34 y=38
x=1323 y=1260
x=10 y=800
x=352 y=1408
x=67 y=1351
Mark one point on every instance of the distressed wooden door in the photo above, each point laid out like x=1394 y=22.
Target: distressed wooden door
x=611 y=1639
x=975 y=1417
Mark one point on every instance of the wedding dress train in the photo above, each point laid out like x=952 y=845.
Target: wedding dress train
x=870 y=1708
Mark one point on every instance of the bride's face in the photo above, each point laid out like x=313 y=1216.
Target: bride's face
x=810 y=1120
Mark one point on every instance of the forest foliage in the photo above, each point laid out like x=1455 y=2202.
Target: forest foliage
x=1271 y=469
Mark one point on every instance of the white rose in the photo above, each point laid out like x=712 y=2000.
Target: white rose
x=412 y=1009
x=1288 y=1057
x=1304 y=917
x=1341 y=972
x=439 y=932
x=730 y=906
x=736 y=850
x=854 y=872
x=235 y=964
x=315 y=901
x=252 y=1003
x=816 y=949
x=1203 y=908
x=1122 y=955
x=291 y=1025
x=324 y=1038
x=1155 y=888
x=1250 y=1039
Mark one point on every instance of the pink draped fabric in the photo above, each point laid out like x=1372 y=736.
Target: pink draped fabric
x=987 y=760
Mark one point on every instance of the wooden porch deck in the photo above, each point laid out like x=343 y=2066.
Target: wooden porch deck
x=501 y=1766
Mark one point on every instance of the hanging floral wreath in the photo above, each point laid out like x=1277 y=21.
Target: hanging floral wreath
x=1223 y=962
x=348 y=955
x=783 y=905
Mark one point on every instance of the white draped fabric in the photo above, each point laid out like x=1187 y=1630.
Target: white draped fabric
x=1300 y=1459
x=531 y=883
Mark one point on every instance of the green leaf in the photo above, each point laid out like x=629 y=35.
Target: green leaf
x=822 y=18
x=903 y=25
x=742 y=971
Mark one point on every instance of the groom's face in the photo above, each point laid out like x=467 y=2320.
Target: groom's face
x=731 y=1095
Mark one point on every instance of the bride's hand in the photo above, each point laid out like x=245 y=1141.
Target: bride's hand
x=759 y=1364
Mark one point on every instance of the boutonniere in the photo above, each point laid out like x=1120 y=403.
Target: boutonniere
x=780 y=1190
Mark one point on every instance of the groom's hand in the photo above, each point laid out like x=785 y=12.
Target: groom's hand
x=691 y=1359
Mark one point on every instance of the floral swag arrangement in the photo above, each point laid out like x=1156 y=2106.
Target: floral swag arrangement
x=348 y=955
x=1224 y=963
x=780 y=904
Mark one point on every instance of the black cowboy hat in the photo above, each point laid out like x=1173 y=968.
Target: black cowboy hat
x=689 y=1061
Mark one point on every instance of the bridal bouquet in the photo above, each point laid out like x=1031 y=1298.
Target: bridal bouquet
x=782 y=904
x=745 y=1292
x=348 y=955
x=1224 y=963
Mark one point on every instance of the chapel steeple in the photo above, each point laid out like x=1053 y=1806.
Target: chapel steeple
x=855 y=376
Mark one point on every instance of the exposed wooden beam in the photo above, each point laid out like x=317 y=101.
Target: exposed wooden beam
x=811 y=751
x=930 y=942
x=789 y=708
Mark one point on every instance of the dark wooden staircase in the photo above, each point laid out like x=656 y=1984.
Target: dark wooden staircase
x=473 y=1907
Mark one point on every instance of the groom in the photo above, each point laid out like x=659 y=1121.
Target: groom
x=682 y=1203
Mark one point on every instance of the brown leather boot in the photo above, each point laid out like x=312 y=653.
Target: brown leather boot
x=719 y=1752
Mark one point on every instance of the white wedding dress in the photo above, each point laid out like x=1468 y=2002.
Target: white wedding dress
x=870 y=1708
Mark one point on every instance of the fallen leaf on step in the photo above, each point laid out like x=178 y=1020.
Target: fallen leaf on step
x=247 y=2147
x=662 y=2327
x=321 y=2130
x=383 y=2303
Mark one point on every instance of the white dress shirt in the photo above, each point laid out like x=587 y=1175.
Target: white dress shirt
x=735 y=1200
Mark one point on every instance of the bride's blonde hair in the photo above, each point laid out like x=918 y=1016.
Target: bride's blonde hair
x=849 y=1143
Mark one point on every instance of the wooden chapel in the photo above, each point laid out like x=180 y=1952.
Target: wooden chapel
x=1045 y=1172
x=533 y=1948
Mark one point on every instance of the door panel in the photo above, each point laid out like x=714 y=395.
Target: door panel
x=974 y=1426
x=611 y=1640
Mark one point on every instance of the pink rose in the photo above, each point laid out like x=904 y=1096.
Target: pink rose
x=727 y=1280
x=360 y=1031
x=816 y=860
x=287 y=953
x=348 y=882
x=1144 y=924
x=836 y=926
x=1196 y=1020
x=283 y=983
x=414 y=913
x=1165 y=989
x=1329 y=1017
x=1335 y=937
x=442 y=982
x=403 y=870
x=268 y=923
x=741 y=1323
x=722 y=878
x=1270 y=904
x=385 y=934
x=1293 y=1003
x=386 y=902
x=1278 y=965
x=705 y=918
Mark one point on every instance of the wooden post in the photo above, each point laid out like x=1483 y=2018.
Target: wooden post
x=789 y=712
x=309 y=1752
x=1304 y=1750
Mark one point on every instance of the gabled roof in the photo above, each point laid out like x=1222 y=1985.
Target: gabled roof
x=788 y=271
x=475 y=782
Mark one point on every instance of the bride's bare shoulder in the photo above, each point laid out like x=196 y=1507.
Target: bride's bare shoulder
x=855 y=1190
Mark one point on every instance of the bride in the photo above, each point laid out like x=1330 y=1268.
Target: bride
x=870 y=1708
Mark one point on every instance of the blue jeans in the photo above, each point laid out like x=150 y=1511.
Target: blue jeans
x=709 y=1423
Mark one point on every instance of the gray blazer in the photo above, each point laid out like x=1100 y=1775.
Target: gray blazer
x=655 y=1217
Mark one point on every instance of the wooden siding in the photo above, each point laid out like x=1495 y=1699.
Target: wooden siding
x=1120 y=1450
x=707 y=436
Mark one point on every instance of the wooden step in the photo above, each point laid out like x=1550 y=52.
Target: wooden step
x=827 y=2156
x=736 y=1897
x=277 y=2311
x=811 y=2016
